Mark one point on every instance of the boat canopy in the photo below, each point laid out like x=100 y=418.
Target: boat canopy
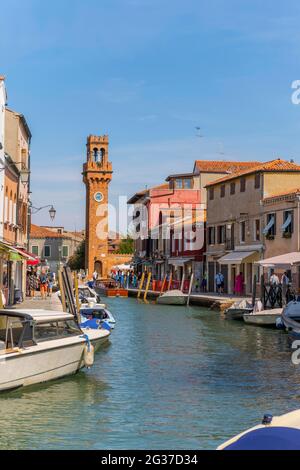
x=237 y=257
x=40 y=316
x=288 y=259
x=269 y=225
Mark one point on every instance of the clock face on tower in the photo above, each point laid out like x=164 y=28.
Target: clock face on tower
x=98 y=196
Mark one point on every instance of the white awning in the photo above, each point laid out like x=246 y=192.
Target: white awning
x=286 y=260
x=269 y=225
x=287 y=222
x=237 y=257
x=179 y=261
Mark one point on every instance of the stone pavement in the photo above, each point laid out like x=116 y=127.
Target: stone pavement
x=50 y=303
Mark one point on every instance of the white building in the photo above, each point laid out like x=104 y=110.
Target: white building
x=3 y=98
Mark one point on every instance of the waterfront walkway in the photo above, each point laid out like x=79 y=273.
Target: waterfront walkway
x=50 y=303
x=212 y=300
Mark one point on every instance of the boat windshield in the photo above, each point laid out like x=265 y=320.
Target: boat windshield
x=85 y=292
x=55 y=330
x=15 y=332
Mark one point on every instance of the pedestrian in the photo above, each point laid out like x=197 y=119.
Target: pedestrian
x=274 y=279
x=239 y=284
x=43 y=285
x=32 y=283
x=219 y=282
x=50 y=285
x=285 y=279
x=204 y=283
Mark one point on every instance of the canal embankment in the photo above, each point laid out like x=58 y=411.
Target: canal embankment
x=209 y=300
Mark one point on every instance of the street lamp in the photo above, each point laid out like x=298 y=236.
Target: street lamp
x=52 y=211
x=24 y=173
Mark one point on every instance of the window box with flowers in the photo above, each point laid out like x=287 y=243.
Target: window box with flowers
x=270 y=236
x=287 y=235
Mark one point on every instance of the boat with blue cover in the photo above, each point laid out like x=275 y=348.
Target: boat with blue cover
x=97 y=315
x=274 y=433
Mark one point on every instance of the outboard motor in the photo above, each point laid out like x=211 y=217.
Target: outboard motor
x=267 y=419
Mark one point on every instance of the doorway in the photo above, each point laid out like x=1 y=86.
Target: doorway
x=98 y=268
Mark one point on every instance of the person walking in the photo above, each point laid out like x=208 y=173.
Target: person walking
x=219 y=282
x=204 y=283
x=43 y=285
x=274 y=279
x=239 y=284
x=285 y=280
x=32 y=283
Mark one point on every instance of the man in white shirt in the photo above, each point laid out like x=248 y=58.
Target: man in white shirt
x=274 y=279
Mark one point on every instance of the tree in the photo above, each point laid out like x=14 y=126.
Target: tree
x=77 y=261
x=126 y=246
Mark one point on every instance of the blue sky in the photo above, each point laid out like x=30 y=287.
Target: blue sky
x=147 y=72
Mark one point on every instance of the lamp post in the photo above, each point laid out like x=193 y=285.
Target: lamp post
x=52 y=211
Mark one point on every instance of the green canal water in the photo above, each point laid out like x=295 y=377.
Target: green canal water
x=170 y=378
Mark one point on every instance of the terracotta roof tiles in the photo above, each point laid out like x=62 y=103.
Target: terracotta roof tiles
x=272 y=166
x=215 y=166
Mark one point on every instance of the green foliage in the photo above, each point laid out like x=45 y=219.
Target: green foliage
x=77 y=261
x=126 y=246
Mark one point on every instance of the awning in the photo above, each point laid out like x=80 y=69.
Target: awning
x=32 y=260
x=286 y=260
x=269 y=225
x=179 y=261
x=237 y=257
x=287 y=222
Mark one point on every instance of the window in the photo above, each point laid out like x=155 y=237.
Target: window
x=47 y=251
x=178 y=183
x=270 y=229
x=243 y=184
x=232 y=188
x=55 y=330
x=65 y=251
x=257 y=181
x=222 y=190
x=35 y=250
x=221 y=234
x=288 y=223
x=211 y=194
x=256 y=230
x=211 y=235
x=243 y=232
x=188 y=183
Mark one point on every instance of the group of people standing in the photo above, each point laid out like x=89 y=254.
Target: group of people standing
x=125 y=279
x=42 y=282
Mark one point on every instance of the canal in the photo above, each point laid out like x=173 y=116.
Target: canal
x=171 y=378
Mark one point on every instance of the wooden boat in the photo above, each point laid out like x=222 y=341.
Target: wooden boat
x=172 y=297
x=263 y=318
x=238 y=309
x=274 y=433
x=41 y=345
x=110 y=288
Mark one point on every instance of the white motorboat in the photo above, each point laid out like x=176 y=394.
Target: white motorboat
x=275 y=433
x=238 y=309
x=96 y=312
x=41 y=345
x=173 y=297
x=263 y=318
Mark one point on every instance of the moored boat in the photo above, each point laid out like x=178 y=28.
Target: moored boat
x=290 y=318
x=96 y=312
x=172 y=297
x=110 y=288
x=238 y=309
x=263 y=318
x=275 y=433
x=41 y=345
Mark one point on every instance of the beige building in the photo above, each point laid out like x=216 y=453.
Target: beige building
x=238 y=225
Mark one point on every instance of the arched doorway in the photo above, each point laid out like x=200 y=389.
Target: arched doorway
x=98 y=268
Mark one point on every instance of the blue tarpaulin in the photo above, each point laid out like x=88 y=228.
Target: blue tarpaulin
x=269 y=438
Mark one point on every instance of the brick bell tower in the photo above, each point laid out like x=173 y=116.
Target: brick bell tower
x=97 y=174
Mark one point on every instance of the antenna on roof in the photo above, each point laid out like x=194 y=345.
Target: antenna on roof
x=221 y=148
x=292 y=160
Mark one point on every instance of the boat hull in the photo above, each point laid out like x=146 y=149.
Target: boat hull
x=172 y=300
x=262 y=319
x=237 y=313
